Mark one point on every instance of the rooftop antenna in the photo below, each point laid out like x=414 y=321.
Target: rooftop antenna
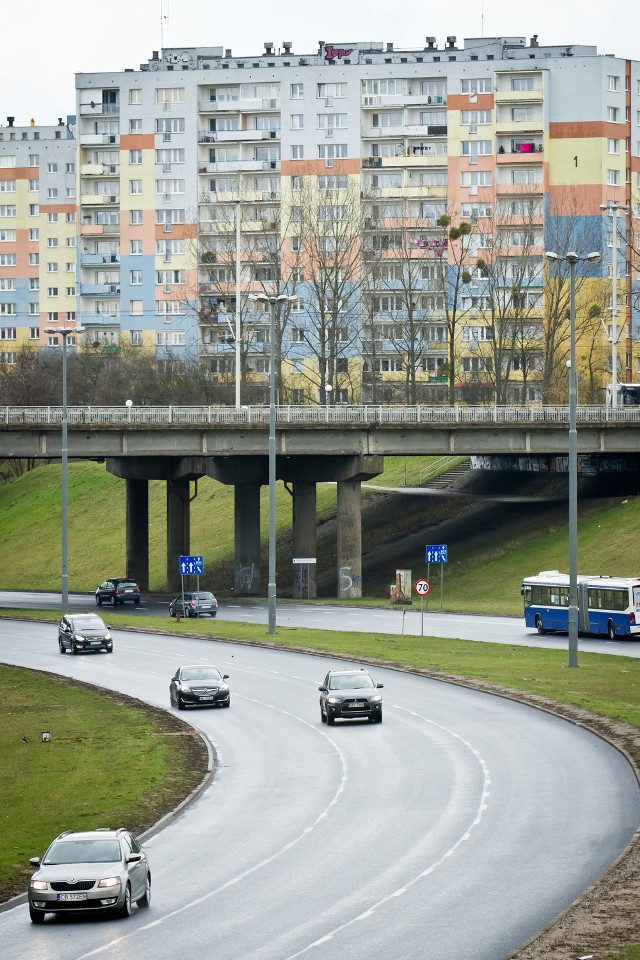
x=164 y=18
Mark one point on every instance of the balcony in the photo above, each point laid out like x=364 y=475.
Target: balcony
x=230 y=166
x=99 y=199
x=519 y=96
x=89 y=228
x=99 y=139
x=238 y=106
x=98 y=259
x=94 y=109
x=99 y=289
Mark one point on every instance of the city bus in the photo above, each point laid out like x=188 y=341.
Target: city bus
x=608 y=606
x=627 y=394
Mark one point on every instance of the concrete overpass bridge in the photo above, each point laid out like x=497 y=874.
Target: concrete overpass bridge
x=341 y=444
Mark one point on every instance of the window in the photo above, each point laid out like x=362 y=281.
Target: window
x=34 y=185
x=297 y=121
x=170 y=338
x=170 y=186
x=297 y=395
x=34 y=210
x=136 y=338
x=338 y=90
x=52 y=266
x=34 y=259
x=613 y=114
x=34 y=332
x=34 y=283
x=331 y=183
x=7 y=259
x=52 y=291
x=135 y=96
x=388 y=119
x=135 y=278
x=7 y=210
x=331 y=121
x=522 y=83
x=135 y=248
x=469 y=118
x=471 y=148
x=170 y=216
x=135 y=187
x=169 y=125
x=52 y=241
x=136 y=308
x=477 y=85
x=332 y=151
x=297 y=91
x=169 y=95
x=9 y=186
x=613 y=146
x=135 y=125
x=613 y=83
x=7 y=283
x=613 y=178
x=52 y=218
x=10 y=161
x=170 y=155
x=135 y=156
x=135 y=217
x=297 y=151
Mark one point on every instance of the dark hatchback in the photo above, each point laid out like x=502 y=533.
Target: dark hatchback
x=83 y=632
x=199 y=686
x=350 y=695
x=118 y=590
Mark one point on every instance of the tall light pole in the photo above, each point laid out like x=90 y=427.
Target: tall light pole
x=612 y=207
x=64 y=332
x=238 y=333
x=273 y=301
x=572 y=258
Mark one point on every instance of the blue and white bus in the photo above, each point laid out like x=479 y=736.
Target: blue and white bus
x=607 y=606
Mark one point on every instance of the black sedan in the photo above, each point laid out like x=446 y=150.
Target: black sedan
x=83 y=632
x=199 y=686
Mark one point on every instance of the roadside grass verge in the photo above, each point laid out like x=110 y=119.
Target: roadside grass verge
x=110 y=762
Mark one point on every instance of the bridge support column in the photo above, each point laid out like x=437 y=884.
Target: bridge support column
x=137 y=532
x=178 y=539
x=304 y=539
x=247 y=539
x=349 y=515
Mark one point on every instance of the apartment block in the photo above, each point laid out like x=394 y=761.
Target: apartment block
x=398 y=203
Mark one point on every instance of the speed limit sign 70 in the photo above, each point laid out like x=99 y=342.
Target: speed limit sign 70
x=422 y=587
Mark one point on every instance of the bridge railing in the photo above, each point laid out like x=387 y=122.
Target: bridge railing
x=340 y=415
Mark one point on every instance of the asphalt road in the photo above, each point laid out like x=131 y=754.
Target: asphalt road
x=408 y=620
x=457 y=828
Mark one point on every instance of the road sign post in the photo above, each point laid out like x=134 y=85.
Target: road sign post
x=437 y=553
x=422 y=588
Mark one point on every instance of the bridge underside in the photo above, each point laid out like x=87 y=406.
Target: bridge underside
x=247 y=475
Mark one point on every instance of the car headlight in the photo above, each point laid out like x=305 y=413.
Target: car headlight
x=185 y=688
x=107 y=637
x=376 y=699
x=39 y=885
x=80 y=638
x=334 y=700
x=109 y=882
x=223 y=688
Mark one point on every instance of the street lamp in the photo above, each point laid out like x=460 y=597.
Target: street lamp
x=64 y=332
x=613 y=207
x=273 y=301
x=572 y=258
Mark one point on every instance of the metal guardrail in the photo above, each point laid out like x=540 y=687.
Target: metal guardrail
x=341 y=415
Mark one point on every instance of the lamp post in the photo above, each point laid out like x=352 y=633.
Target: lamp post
x=238 y=331
x=612 y=207
x=572 y=258
x=64 y=332
x=273 y=302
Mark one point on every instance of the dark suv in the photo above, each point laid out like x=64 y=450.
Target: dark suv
x=81 y=632
x=118 y=590
x=350 y=694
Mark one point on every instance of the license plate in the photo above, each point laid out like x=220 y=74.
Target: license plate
x=206 y=698
x=128 y=590
x=68 y=897
x=356 y=705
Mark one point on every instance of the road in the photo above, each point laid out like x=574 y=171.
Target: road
x=410 y=621
x=457 y=828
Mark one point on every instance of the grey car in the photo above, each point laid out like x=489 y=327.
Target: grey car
x=102 y=870
x=194 y=605
x=82 y=633
x=350 y=695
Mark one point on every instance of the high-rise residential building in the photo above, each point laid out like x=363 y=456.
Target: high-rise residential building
x=402 y=200
x=37 y=234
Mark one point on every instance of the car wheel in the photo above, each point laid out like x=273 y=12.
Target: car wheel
x=611 y=630
x=136 y=602
x=125 y=909
x=98 y=602
x=145 y=899
x=179 y=703
x=540 y=626
x=109 y=649
x=37 y=916
x=61 y=646
x=323 y=719
x=378 y=719
x=172 y=612
x=114 y=602
x=228 y=703
x=74 y=649
x=330 y=719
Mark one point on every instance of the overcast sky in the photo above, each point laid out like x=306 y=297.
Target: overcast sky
x=48 y=41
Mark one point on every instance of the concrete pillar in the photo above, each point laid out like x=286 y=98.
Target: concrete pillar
x=304 y=539
x=137 y=531
x=247 y=539
x=178 y=538
x=349 y=547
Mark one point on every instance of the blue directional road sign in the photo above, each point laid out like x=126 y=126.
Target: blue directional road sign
x=191 y=565
x=436 y=553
